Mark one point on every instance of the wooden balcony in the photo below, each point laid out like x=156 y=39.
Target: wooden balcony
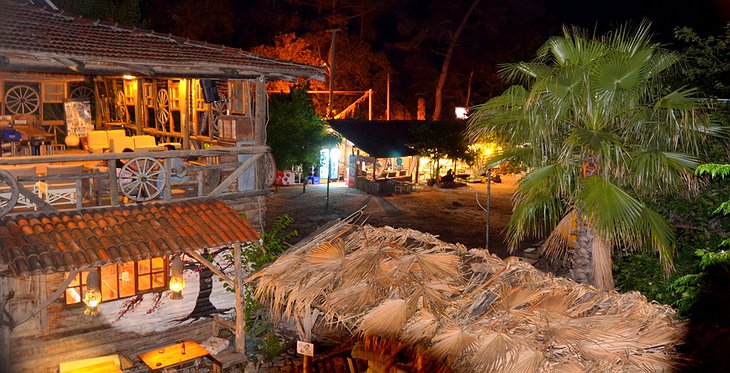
x=114 y=179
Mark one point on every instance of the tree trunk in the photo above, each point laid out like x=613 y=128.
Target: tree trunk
x=447 y=60
x=590 y=260
x=581 y=257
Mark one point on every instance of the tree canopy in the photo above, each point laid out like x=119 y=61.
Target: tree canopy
x=295 y=133
x=599 y=129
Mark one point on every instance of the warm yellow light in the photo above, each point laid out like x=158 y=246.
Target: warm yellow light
x=92 y=295
x=128 y=77
x=92 y=298
x=177 y=283
x=488 y=151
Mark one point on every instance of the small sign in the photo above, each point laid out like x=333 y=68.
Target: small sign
x=305 y=348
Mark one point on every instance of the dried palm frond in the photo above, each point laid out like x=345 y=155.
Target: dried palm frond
x=528 y=361
x=326 y=254
x=602 y=264
x=494 y=352
x=452 y=342
x=353 y=299
x=386 y=319
x=420 y=328
x=438 y=266
x=561 y=238
x=512 y=298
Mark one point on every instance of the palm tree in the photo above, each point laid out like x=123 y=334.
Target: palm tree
x=601 y=132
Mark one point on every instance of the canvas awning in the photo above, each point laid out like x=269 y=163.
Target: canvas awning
x=388 y=139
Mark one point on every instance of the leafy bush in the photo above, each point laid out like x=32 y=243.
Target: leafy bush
x=260 y=336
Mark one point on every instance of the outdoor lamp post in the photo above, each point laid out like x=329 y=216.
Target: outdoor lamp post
x=92 y=297
x=177 y=283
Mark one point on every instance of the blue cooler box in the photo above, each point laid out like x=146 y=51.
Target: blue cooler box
x=313 y=179
x=11 y=135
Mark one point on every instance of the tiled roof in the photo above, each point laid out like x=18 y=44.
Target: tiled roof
x=38 y=39
x=46 y=243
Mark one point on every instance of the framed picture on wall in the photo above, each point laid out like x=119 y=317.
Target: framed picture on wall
x=78 y=116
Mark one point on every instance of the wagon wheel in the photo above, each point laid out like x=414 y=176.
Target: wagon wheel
x=120 y=106
x=83 y=92
x=163 y=107
x=8 y=192
x=142 y=179
x=22 y=99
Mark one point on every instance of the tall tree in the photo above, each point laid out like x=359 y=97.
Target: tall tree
x=601 y=134
x=447 y=61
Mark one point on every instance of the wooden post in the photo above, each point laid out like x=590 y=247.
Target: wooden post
x=140 y=109
x=240 y=307
x=260 y=130
x=114 y=193
x=186 y=116
x=4 y=326
x=167 y=192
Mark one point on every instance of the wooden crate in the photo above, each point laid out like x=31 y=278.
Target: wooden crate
x=234 y=128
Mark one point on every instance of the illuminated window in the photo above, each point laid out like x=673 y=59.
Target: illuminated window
x=122 y=280
x=130 y=91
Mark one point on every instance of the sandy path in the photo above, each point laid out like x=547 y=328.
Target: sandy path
x=451 y=214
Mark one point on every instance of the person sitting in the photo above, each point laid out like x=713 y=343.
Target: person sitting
x=449 y=177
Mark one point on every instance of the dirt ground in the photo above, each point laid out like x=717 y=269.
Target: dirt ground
x=451 y=214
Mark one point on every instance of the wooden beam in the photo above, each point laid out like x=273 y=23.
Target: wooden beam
x=240 y=306
x=186 y=118
x=114 y=192
x=260 y=120
x=195 y=255
x=234 y=175
x=140 y=109
x=5 y=324
x=38 y=201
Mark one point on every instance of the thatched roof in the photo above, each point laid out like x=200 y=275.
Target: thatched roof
x=466 y=310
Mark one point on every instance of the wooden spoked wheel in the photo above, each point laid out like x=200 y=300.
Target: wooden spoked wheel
x=22 y=99
x=163 y=107
x=142 y=179
x=83 y=92
x=8 y=192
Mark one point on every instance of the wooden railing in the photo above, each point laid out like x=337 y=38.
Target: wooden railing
x=147 y=176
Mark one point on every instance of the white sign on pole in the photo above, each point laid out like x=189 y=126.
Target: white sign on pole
x=305 y=348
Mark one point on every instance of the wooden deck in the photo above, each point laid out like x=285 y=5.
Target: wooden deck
x=221 y=172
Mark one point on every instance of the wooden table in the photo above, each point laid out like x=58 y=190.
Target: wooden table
x=171 y=355
x=105 y=367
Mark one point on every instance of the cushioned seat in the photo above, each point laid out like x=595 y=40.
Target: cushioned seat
x=118 y=144
x=145 y=142
x=98 y=141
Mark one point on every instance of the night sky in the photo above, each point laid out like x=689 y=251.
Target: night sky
x=409 y=38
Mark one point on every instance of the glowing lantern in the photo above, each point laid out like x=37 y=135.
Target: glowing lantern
x=92 y=296
x=177 y=283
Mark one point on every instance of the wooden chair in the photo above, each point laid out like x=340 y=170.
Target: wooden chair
x=62 y=191
x=22 y=171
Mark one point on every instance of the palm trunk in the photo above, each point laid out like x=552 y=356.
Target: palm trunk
x=590 y=260
x=581 y=257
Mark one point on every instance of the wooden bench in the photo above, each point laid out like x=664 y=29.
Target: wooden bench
x=403 y=186
x=226 y=359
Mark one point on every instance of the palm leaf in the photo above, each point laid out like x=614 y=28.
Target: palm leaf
x=326 y=254
x=452 y=342
x=387 y=319
x=494 y=351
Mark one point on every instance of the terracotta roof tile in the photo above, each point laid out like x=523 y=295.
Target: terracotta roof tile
x=33 y=34
x=47 y=243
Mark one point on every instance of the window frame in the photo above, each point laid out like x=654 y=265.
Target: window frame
x=82 y=283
